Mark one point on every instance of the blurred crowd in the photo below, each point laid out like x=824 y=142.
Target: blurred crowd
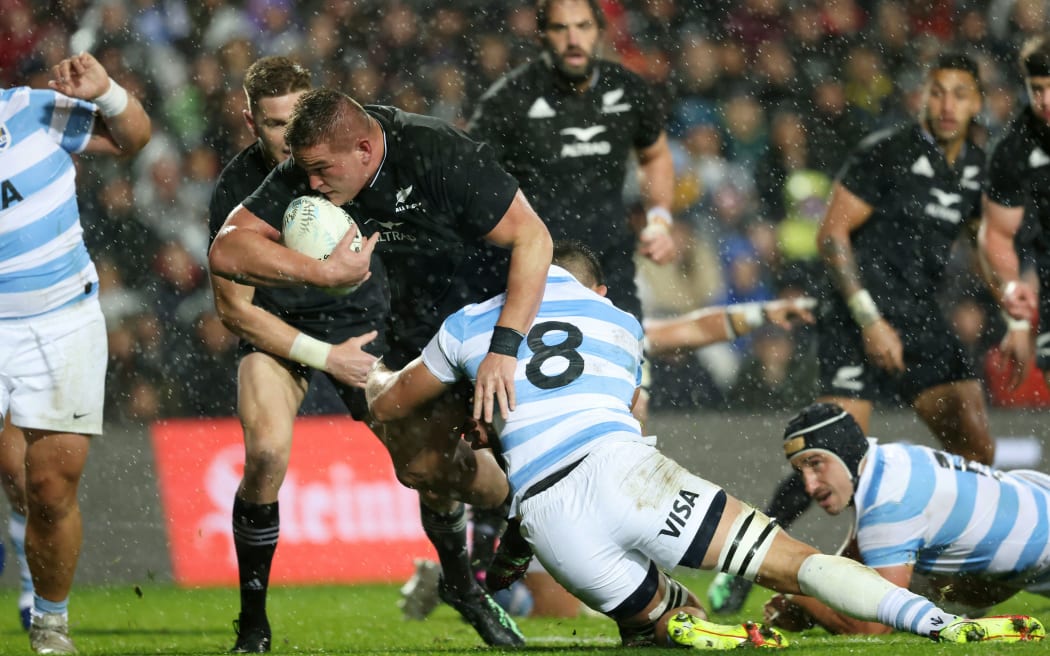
x=763 y=100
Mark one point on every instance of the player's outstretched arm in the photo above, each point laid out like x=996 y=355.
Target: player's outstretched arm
x=721 y=323
x=525 y=234
x=125 y=126
x=394 y=395
x=248 y=250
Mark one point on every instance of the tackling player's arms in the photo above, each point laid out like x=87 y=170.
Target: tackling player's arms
x=394 y=395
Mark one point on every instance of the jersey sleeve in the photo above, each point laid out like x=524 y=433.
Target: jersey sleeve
x=442 y=354
x=856 y=175
x=885 y=543
x=469 y=183
x=285 y=183
x=489 y=122
x=1006 y=179
x=70 y=121
x=651 y=116
x=222 y=202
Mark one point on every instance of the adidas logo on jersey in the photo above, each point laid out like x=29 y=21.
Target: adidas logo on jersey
x=923 y=167
x=1037 y=158
x=969 y=178
x=942 y=209
x=584 y=146
x=540 y=109
x=611 y=102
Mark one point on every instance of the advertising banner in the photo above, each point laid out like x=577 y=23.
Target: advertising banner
x=344 y=516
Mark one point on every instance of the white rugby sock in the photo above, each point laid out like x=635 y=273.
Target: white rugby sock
x=859 y=591
x=16 y=528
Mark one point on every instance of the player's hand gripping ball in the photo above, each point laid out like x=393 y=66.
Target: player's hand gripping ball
x=313 y=226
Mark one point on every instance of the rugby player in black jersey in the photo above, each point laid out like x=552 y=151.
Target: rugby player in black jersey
x=429 y=195
x=284 y=334
x=565 y=126
x=1017 y=212
x=900 y=202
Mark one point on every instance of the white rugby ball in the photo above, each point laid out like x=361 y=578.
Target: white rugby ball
x=313 y=226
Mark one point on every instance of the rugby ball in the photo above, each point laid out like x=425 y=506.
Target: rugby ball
x=313 y=226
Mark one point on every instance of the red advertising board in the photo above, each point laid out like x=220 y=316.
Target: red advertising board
x=344 y=516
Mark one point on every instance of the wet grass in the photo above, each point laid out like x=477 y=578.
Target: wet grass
x=160 y=618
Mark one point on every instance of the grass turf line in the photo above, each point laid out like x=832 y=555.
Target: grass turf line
x=364 y=620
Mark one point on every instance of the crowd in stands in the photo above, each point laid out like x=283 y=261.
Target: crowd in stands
x=763 y=100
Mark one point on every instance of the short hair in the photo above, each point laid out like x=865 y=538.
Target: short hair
x=957 y=61
x=827 y=427
x=580 y=261
x=324 y=116
x=272 y=77
x=543 y=13
x=1035 y=56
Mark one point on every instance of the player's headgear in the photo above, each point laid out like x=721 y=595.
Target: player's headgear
x=827 y=427
x=1035 y=57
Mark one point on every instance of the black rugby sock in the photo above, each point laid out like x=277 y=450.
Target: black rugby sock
x=448 y=534
x=789 y=501
x=489 y=524
x=255 y=530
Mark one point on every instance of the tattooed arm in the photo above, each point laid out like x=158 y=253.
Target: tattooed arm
x=846 y=213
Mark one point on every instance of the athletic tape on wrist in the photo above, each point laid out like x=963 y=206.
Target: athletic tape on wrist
x=660 y=215
x=1013 y=323
x=113 y=101
x=863 y=308
x=310 y=351
x=505 y=341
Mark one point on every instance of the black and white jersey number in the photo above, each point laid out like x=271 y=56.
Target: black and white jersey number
x=542 y=352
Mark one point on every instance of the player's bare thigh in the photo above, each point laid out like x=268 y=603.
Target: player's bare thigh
x=269 y=394
x=956 y=415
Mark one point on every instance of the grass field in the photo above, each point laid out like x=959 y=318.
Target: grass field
x=162 y=619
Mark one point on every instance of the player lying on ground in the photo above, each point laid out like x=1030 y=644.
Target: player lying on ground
x=925 y=519
x=605 y=511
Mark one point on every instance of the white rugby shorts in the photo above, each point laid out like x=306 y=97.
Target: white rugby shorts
x=597 y=530
x=53 y=369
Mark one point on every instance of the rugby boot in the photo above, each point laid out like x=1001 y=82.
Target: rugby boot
x=49 y=634
x=253 y=635
x=998 y=628
x=691 y=631
x=495 y=626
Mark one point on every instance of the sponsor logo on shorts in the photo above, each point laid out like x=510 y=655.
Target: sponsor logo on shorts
x=681 y=510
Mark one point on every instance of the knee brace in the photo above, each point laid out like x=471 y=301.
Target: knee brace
x=747 y=544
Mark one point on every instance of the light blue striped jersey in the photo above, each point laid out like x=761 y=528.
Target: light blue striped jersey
x=44 y=264
x=578 y=369
x=948 y=515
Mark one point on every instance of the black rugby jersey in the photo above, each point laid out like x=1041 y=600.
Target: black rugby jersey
x=921 y=204
x=436 y=195
x=1019 y=176
x=569 y=150
x=306 y=308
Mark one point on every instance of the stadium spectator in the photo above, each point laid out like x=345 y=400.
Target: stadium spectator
x=52 y=313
